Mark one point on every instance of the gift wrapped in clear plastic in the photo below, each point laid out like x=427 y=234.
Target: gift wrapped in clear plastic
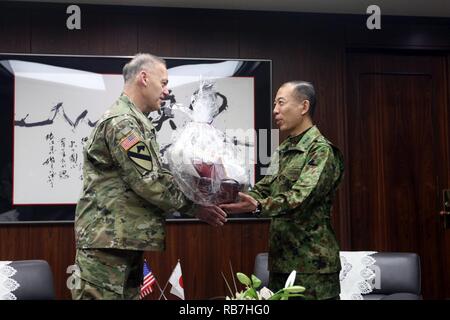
x=202 y=159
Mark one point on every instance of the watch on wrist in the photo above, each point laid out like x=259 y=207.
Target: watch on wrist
x=257 y=211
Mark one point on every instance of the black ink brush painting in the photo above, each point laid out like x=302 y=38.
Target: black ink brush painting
x=50 y=104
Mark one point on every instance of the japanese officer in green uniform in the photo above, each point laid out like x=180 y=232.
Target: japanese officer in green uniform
x=297 y=195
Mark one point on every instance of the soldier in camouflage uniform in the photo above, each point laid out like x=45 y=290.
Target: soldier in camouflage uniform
x=297 y=194
x=126 y=193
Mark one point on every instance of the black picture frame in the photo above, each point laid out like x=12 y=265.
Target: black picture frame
x=259 y=70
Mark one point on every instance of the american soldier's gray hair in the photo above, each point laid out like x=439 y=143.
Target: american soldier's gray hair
x=304 y=90
x=139 y=62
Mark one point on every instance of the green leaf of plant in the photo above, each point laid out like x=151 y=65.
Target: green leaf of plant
x=294 y=289
x=276 y=296
x=256 y=283
x=243 y=279
x=251 y=292
x=284 y=295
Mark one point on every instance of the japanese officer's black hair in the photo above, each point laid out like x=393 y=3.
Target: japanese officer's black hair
x=304 y=90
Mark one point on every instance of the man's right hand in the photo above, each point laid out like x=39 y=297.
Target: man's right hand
x=212 y=215
x=246 y=204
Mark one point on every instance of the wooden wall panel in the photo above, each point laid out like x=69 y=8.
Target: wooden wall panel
x=444 y=132
x=14 y=29
x=397 y=103
x=56 y=245
x=188 y=33
x=417 y=33
x=104 y=31
x=202 y=251
x=53 y=243
x=255 y=237
x=205 y=252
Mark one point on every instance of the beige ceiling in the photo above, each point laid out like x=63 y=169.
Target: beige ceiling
x=433 y=8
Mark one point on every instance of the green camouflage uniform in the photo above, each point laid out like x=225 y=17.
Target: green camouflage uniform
x=121 y=212
x=298 y=197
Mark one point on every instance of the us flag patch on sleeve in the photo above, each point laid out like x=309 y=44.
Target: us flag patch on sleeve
x=129 y=141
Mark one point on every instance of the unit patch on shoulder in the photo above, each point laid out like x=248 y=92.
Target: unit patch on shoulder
x=130 y=140
x=140 y=155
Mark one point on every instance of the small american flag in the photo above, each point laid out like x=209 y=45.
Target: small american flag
x=129 y=141
x=149 y=279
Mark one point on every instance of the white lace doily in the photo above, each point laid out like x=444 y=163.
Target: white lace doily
x=7 y=285
x=356 y=276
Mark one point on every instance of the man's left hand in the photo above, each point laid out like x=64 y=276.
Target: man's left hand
x=212 y=215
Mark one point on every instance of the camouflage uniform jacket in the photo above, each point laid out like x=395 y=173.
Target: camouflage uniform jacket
x=126 y=192
x=298 y=197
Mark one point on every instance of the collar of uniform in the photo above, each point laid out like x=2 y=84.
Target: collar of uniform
x=305 y=140
x=130 y=103
x=135 y=109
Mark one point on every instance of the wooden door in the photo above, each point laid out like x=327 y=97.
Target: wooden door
x=398 y=159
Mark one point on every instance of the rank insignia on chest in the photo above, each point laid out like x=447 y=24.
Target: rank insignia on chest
x=140 y=155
